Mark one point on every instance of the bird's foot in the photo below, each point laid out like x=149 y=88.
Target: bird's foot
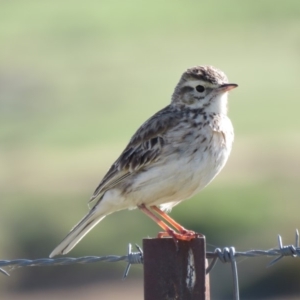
x=184 y=235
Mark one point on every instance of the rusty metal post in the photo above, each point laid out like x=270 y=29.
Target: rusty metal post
x=171 y=273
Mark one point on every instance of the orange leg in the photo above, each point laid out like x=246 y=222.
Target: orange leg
x=184 y=234
x=158 y=221
x=176 y=225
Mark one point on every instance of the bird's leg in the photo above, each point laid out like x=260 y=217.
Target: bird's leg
x=168 y=231
x=185 y=234
x=176 y=225
x=158 y=221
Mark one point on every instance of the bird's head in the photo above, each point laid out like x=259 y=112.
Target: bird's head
x=203 y=87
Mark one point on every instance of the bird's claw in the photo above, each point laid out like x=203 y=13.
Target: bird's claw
x=184 y=235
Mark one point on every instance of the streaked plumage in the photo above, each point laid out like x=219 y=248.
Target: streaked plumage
x=172 y=156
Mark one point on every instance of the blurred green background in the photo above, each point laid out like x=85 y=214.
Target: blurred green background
x=77 y=78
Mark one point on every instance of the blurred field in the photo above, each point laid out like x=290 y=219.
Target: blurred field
x=78 y=78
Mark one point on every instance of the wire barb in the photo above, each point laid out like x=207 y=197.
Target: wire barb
x=4 y=272
x=290 y=250
x=133 y=258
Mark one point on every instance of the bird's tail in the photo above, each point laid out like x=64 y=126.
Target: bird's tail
x=78 y=232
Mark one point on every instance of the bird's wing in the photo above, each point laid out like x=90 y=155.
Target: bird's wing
x=143 y=148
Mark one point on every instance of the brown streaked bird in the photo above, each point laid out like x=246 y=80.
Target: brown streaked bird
x=171 y=157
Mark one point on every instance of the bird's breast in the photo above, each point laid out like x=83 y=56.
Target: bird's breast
x=205 y=150
x=191 y=157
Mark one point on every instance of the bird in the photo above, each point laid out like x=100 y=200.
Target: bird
x=171 y=157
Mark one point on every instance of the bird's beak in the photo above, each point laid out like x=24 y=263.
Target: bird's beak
x=226 y=87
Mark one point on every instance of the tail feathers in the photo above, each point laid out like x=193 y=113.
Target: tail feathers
x=77 y=233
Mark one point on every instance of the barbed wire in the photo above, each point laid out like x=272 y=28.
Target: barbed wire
x=225 y=255
x=131 y=258
x=229 y=255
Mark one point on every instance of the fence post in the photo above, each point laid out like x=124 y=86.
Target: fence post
x=175 y=273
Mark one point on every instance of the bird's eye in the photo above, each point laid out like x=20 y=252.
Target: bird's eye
x=200 y=88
